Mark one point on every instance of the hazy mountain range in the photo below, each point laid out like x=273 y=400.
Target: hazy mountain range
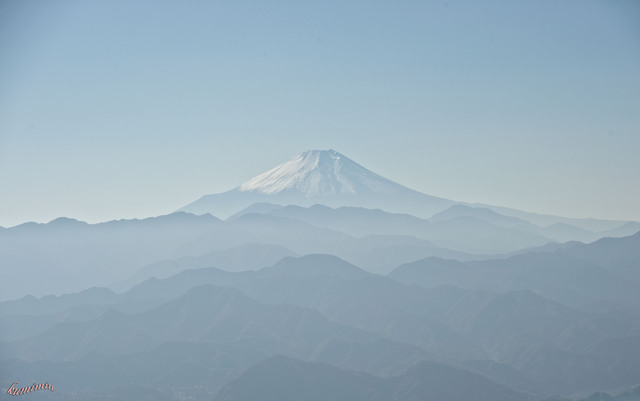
x=324 y=281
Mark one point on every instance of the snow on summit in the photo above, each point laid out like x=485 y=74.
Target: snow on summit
x=318 y=173
x=324 y=177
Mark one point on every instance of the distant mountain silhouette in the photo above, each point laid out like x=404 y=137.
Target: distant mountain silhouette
x=459 y=228
x=311 y=266
x=573 y=273
x=249 y=256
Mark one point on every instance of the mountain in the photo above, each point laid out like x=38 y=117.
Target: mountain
x=572 y=273
x=203 y=314
x=250 y=256
x=616 y=228
x=485 y=214
x=320 y=176
x=287 y=379
x=557 y=231
x=316 y=266
x=321 y=308
x=66 y=255
x=196 y=370
x=329 y=178
x=457 y=230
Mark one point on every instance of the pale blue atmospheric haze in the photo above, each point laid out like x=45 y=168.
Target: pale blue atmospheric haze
x=122 y=109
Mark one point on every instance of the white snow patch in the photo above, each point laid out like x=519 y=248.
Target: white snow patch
x=319 y=173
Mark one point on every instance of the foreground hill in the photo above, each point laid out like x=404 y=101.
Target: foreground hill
x=321 y=308
x=285 y=379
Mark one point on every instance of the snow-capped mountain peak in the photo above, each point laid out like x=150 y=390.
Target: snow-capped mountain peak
x=320 y=176
x=317 y=173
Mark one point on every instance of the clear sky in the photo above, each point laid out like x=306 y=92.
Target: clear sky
x=122 y=109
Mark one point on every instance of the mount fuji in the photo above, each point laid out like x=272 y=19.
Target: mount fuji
x=320 y=177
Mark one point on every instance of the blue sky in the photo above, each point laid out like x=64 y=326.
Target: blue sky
x=120 y=109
